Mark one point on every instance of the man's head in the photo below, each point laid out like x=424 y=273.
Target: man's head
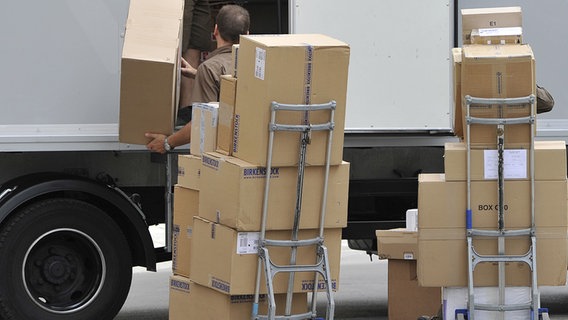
x=232 y=21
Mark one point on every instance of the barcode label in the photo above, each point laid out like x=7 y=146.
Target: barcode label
x=247 y=242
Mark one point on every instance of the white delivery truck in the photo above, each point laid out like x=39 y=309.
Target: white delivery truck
x=76 y=204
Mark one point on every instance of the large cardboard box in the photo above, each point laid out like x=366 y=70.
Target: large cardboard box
x=226 y=260
x=290 y=69
x=456 y=73
x=226 y=115
x=498 y=71
x=397 y=243
x=406 y=299
x=149 y=69
x=241 y=186
x=186 y=204
x=189 y=171
x=442 y=203
x=442 y=240
x=191 y=301
x=499 y=17
x=204 y=121
x=549 y=162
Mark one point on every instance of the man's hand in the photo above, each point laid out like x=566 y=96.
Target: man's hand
x=187 y=70
x=157 y=143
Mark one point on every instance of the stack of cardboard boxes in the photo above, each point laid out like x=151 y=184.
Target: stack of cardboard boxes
x=493 y=63
x=219 y=197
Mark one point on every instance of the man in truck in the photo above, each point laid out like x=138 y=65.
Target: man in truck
x=231 y=22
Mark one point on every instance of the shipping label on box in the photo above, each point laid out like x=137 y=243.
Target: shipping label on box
x=550 y=162
x=226 y=115
x=189 y=171
x=204 y=121
x=216 y=264
x=511 y=35
x=289 y=69
x=242 y=185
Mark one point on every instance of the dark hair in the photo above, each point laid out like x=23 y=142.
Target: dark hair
x=232 y=21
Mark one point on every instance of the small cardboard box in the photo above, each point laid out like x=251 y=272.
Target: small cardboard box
x=186 y=204
x=226 y=115
x=406 y=299
x=149 y=70
x=511 y=35
x=289 y=69
x=189 y=171
x=499 y=17
x=549 y=162
x=242 y=185
x=204 y=121
x=443 y=258
x=397 y=244
x=226 y=260
x=191 y=301
x=498 y=71
x=442 y=204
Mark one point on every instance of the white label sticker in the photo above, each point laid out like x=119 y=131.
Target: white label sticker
x=514 y=164
x=247 y=242
x=408 y=256
x=260 y=63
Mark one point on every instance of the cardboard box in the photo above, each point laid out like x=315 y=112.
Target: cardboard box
x=204 y=121
x=186 y=204
x=149 y=70
x=189 y=171
x=441 y=231
x=500 y=17
x=442 y=204
x=458 y=116
x=242 y=185
x=406 y=299
x=397 y=244
x=290 y=69
x=457 y=297
x=511 y=35
x=191 y=301
x=498 y=71
x=226 y=260
x=226 y=115
x=549 y=162
x=443 y=258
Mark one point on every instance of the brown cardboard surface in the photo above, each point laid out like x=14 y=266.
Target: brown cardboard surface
x=406 y=299
x=186 y=204
x=498 y=71
x=458 y=116
x=290 y=69
x=226 y=115
x=149 y=69
x=549 y=162
x=499 y=17
x=442 y=204
x=443 y=258
x=242 y=186
x=397 y=244
x=226 y=260
x=189 y=171
x=191 y=301
x=204 y=122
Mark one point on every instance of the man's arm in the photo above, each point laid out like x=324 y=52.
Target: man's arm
x=178 y=138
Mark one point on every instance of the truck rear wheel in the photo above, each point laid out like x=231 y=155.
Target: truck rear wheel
x=62 y=259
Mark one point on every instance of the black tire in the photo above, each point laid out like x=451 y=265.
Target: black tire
x=62 y=259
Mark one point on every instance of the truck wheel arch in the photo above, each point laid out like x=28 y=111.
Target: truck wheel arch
x=23 y=190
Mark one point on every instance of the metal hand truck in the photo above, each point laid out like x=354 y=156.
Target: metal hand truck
x=321 y=267
x=500 y=233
